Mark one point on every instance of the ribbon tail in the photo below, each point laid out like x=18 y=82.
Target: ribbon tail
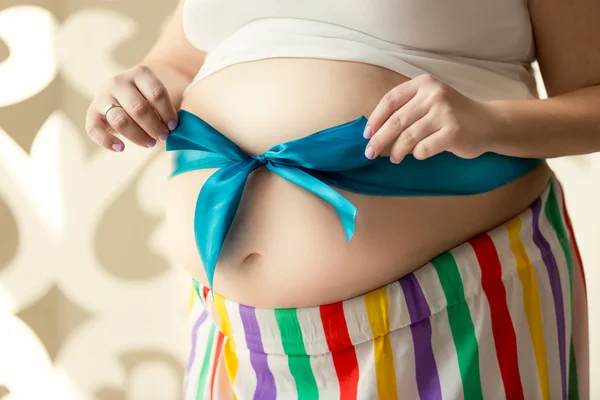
x=345 y=210
x=216 y=207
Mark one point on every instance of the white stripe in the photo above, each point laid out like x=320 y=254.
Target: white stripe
x=313 y=334
x=359 y=328
x=468 y=266
x=397 y=311
x=324 y=371
x=514 y=298
x=367 y=383
x=277 y=360
x=245 y=378
x=191 y=377
x=432 y=287
x=235 y=323
x=444 y=350
x=446 y=357
x=401 y=342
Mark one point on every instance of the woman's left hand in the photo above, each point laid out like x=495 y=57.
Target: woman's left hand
x=425 y=116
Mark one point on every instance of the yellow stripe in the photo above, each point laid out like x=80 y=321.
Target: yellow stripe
x=231 y=360
x=376 y=303
x=531 y=300
x=191 y=301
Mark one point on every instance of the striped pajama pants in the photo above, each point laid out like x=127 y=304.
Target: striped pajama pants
x=502 y=316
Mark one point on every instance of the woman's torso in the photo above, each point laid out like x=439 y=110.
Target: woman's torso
x=286 y=247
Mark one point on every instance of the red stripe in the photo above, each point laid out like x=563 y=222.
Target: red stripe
x=574 y=243
x=502 y=326
x=342 y=350
x=216 y=361
x=205 y=291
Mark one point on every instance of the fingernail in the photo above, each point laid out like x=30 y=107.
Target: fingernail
x=369 y=153
x=163 y=136
x=117 y=147
x=151 y=143
x=367 y=132
x=393 y=160
x=172 y=125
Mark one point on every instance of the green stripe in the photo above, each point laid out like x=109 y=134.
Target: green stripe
x=298 y=360
x=197 y=289
x=553 y=214
x=552 y=211
x=461 y=325
x=573 y=385
x=206 y=364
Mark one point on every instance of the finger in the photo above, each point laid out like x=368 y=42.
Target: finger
x=392 y=101
x=140 y=110
x=122 y=123
x=96 y=128
x=412 y=135
x=414 y=110
x=433 y=144
x=158 y=96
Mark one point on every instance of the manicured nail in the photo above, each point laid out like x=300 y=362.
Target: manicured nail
x=117 y=147
x=163 y=136
x=369 y=153
x=393 y=160
x=367 y=133
x=172 y=125
x=151 y=143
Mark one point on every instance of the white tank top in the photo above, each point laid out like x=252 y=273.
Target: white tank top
x=483 y=48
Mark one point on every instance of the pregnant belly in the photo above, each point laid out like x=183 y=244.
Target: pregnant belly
x=286 y=247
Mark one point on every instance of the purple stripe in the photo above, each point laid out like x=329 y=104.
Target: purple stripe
x=192 y=356
x=554 y=277
x=428 y=380
x=265 y=382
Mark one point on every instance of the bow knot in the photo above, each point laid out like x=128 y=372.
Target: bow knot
x=261 y=159
x=303 y=162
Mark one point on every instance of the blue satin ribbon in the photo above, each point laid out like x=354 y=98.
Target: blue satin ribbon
x=330 y=157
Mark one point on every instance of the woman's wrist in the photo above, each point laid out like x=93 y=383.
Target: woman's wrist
x=497 y=126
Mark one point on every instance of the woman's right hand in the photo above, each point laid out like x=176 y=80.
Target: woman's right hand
x=144 y=114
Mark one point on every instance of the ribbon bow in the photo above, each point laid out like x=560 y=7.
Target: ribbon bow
x=299 y=161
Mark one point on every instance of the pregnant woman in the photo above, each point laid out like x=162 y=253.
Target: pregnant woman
x=361 y=196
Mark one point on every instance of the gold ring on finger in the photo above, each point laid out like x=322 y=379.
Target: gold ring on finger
x=109 y=107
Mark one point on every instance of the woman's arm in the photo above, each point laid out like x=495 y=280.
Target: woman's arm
x=173 y=59
x=567 y=36
x=425 y=116
x=146 y=96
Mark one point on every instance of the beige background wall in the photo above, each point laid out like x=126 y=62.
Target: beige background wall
x=89 y=306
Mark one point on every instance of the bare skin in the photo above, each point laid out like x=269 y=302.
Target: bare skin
x=286 y=247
